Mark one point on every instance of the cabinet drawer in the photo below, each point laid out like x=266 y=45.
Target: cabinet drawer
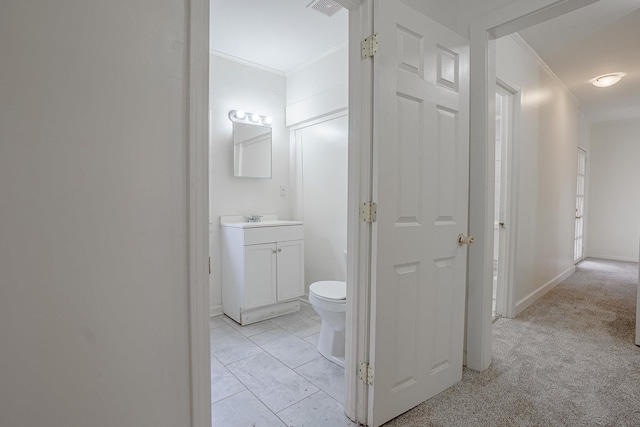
x=253 y=236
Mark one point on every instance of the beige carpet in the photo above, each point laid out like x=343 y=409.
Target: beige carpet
x=568 y=360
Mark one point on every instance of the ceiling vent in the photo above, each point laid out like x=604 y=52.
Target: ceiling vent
x=326 y=7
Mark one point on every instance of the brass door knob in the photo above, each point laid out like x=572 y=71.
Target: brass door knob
x=465 y=240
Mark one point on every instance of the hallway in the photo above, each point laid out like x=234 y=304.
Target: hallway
x=568 y=360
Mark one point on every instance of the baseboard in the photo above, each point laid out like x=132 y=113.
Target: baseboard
x=253 y=315
x=215 y=310
x=612 y=258
x=535 y=295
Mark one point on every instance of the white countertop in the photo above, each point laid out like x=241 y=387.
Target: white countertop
x=276 y=223
x=239 y=221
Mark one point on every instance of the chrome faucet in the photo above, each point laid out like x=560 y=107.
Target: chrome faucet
x=253 y=218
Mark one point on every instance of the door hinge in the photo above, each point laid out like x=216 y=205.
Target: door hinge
x=368 y=212
x=365 y=373
x=369 y=46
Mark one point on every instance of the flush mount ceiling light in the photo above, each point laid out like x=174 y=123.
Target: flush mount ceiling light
x=607 y=80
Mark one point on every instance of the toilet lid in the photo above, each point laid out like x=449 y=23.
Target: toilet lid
x=329 y=289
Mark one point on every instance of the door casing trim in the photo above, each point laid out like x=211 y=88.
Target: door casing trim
x=483 y=33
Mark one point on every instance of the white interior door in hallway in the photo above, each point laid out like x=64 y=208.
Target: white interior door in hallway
x=578 y=251
x=638 y=313
x=420 y=172
x=502 y=211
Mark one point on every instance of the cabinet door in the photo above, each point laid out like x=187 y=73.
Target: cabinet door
x=259 y=275
x=290 y=269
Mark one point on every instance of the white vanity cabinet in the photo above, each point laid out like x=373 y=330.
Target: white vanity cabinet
x=262 y=269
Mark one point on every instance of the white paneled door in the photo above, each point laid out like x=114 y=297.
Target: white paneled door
x=578 y=248
x=421 y=164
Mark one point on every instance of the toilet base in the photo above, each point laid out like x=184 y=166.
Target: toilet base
x=331 y=344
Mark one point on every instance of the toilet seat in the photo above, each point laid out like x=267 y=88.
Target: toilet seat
x=329 y=290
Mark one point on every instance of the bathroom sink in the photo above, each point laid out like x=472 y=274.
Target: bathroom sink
x=274 y=223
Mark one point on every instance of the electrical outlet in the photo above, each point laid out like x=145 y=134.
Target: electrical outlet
x=283 y=190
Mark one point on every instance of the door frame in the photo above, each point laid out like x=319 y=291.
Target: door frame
x=484 y=30
x=196 y=100
x=584 y=207
x=506 y=303
x=359 y=190
x=359 y=234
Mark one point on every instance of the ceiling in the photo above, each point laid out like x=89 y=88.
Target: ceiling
x=601 y=38
x=277 y=34
x=597 y=39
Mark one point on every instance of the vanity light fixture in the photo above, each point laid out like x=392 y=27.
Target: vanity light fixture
x=240 y=116
x=607 y=80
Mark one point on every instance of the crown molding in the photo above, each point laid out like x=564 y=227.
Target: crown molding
x=247 y=63
x=534 y=55
x=616 y=121
x=312 y=61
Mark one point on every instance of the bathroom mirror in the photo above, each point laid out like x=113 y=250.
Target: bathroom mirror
x=251 y=150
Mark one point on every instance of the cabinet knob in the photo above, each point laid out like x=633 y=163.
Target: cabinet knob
x=279 y=249
x=274 y=251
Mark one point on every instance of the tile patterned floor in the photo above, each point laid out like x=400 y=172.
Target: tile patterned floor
x=270 y=374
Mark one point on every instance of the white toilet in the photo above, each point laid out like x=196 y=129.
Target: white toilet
x=329 y=300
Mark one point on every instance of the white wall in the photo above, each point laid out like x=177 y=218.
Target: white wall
x=469 y=10
x=315 y=92
x=546 y=140
x=319 y=88
x=584 y=132
x=238 y=86
x=444 y=12
x=457 y=15
x=93 y=224
x=614 y=202
x=324 y=193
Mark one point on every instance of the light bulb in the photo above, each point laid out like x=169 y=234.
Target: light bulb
x=240 y=114
x=267 y=120
x=254 y=118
